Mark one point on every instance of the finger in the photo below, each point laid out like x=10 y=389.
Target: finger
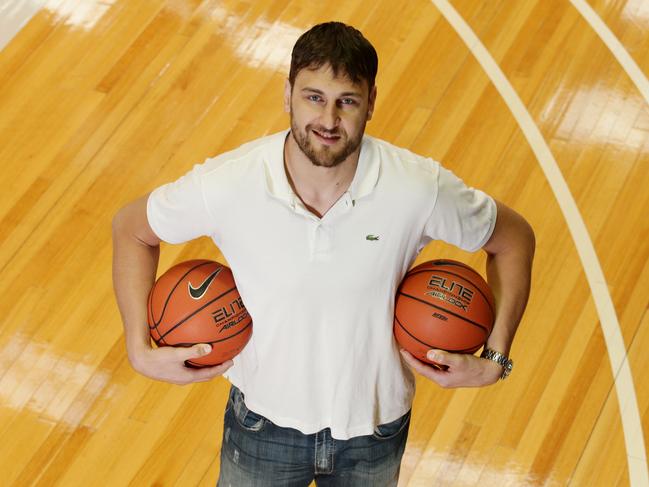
x=224 y=366
x=441 y=357
x=436 y=373
x=420 y=367
x=195 y=351
x=437 y=365
x=410 y=359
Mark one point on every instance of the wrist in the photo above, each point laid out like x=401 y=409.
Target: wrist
x=500 y=359
x=492 y=371
x=137 y=351
x=499 y=343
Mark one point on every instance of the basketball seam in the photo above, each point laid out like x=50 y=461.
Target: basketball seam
x=183 y=344
x=493 y=313
x=487 y=332
x=463 y=350
x=196 y=311
x=161 y=340
x=445 y=262
x=149 y=308
x=173 y=289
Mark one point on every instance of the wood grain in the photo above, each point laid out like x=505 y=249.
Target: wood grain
x=101 y=101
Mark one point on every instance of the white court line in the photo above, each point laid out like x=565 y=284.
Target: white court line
x=628 y=404
x=615 y=46
x=14 y=15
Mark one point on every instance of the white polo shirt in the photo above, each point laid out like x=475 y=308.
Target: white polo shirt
x=321 y=291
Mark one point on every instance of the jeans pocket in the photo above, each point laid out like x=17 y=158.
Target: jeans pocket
x=390 y=430
x=247 y=419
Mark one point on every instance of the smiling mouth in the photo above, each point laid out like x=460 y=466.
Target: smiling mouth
x=326 y=138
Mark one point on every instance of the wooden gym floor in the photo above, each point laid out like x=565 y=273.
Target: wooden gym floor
x=102 y=100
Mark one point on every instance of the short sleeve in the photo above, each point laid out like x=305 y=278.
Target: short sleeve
x=462 y=216
x=177 y=211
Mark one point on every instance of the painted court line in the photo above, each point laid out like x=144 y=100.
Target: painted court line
x=14 y=15
x=615 y=46
x=628 y=404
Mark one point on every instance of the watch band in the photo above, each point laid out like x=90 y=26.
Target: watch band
x=501 y=359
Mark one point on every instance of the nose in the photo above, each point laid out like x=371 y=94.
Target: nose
x=330 y=117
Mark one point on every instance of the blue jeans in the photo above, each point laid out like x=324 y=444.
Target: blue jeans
x=256 y=452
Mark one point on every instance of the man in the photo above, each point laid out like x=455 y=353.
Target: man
x=319 y=224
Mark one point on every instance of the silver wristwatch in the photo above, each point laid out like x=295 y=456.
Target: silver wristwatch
x=501 y=359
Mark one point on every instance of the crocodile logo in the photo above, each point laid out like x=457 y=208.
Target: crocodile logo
x=199 y=292
x=372 y=237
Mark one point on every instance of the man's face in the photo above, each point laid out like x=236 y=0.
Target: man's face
x=328 y=114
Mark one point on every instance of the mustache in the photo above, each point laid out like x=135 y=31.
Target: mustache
x=323 y=130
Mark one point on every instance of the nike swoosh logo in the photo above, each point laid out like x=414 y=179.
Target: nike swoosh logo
x=199 y=292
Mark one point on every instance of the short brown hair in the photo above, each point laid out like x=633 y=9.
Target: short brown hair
x=341 y=46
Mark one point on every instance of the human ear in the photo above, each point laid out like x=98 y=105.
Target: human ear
x=287 y=96
x=371 y=101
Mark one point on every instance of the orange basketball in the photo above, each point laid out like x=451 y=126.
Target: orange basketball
x=197 y=302
x=443 y=304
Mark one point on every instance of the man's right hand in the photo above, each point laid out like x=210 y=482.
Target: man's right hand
x=168 y=364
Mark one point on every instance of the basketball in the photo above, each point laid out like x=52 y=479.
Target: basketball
x=443 y=304
x=197 y=302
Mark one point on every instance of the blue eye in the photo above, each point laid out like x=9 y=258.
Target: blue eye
x=314 y=97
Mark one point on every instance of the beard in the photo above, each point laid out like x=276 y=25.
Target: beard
x=325 y=156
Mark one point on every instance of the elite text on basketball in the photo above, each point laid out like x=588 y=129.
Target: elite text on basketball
x=454 y=287
x=228 y=311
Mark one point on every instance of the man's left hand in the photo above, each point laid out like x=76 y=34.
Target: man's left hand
x=456 y=369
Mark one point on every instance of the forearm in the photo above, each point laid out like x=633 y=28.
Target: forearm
x=510 y=252
x=134 y=270
x=509 y=276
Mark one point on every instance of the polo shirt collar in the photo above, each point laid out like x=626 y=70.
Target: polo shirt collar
x=365 y=178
